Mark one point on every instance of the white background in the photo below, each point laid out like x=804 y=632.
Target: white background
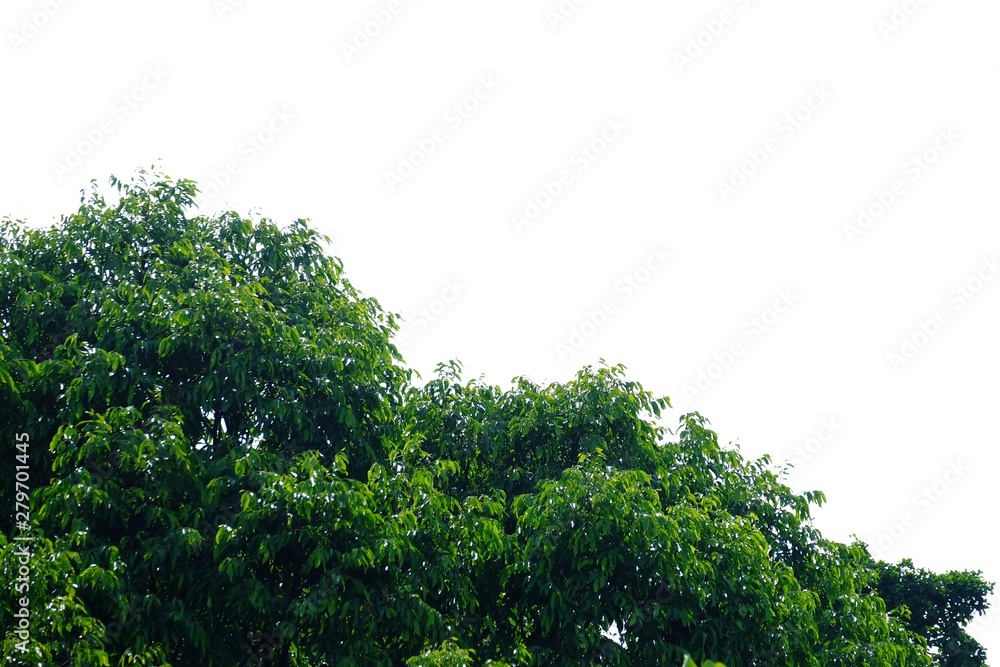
x=223 y=70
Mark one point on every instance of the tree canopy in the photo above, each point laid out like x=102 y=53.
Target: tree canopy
x=231 y=464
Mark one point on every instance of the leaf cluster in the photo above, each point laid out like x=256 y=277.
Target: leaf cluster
x=231 y=465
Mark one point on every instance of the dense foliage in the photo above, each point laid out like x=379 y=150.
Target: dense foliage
x=938 y=607
x=231 y=465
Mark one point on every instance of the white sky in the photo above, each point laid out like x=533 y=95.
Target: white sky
x=200 y=78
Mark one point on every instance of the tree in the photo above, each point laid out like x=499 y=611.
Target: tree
x=230 y=464
x=938 y=607
x=682 y=544
x=180 y=377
